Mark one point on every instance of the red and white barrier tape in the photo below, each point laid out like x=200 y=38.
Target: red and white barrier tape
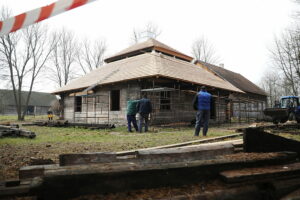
x=25 y=19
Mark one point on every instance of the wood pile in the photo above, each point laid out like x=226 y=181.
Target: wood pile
x=65 y=123
x=15 y=131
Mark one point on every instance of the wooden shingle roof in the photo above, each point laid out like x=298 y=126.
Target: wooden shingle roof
x=148 y=65
x=235 y=79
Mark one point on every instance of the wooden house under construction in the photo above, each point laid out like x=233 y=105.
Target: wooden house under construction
x=168 y=77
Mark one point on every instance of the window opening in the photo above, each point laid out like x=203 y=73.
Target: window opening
x=78 y=104
x=115 y=100
x=165 y=100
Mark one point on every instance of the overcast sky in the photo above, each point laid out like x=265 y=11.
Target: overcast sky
x=241 y=30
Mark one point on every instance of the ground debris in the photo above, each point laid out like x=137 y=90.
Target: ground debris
x=15 y=131
x=40 y=161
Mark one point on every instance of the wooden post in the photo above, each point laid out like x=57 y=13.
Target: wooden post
x=248 y=110
x=95 y=115
x=87 y=109
x=239 y=110
x=108 y=107
x=218 y=107
x=74 y=106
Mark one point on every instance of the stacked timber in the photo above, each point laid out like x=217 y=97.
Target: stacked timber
x=66 y=123
x=52 y=123
x=15 y=131
x=109 y=177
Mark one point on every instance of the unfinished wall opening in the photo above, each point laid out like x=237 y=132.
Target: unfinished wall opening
x=165 y=100
x=115 y=100
x=78 y=104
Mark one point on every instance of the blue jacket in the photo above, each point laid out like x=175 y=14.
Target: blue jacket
x=144 y=106
x=202 y=101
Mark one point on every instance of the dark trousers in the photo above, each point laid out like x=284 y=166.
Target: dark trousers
x=143 y=118
x=202 y=119
x=131 y=119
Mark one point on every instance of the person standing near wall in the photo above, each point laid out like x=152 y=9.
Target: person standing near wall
x=50 y=115
x=201 y=103
x=131 y=112
x=144 y=108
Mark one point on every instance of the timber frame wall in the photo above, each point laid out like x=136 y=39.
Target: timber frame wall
x=171 y=101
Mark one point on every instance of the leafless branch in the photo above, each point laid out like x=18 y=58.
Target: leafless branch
x=203 y=50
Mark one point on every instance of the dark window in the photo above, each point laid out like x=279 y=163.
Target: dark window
x=30 y=110
x=165 y=100
x=115 y=100
x=78 y=104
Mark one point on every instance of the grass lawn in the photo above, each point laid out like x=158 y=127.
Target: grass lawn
x=111 y=140
x=28 y=118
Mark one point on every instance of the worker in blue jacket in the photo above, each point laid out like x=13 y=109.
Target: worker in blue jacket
x=201 y=103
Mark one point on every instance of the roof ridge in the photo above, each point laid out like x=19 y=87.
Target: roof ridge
x=149 y=44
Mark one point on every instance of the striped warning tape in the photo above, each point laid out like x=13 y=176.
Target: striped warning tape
x=25 y=19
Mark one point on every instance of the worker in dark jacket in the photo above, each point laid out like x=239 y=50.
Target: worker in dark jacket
x=131 y=112
x=201 y=103
x=144 y=108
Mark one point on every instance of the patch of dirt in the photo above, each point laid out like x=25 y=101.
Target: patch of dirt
x=12 y=157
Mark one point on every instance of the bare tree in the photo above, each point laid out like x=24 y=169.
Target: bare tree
x=91 y=55
x=151 y=30
x=63 y=58
x=286 y=57
x=274 y=84
x=203 y=50
x=24 y=54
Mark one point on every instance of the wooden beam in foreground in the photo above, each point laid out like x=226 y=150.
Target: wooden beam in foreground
x=275 y=189
x=188 y=153
x=261 y=173
x=71 y=181
x=86 y=158
x=185 y=153
x=257 y=140
x=201 y=141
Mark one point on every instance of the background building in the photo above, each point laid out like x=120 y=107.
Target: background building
x=39 y=102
